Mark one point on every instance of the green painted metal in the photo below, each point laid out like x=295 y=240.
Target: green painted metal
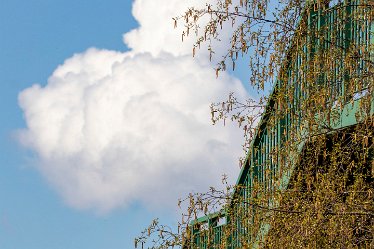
x=332 y=23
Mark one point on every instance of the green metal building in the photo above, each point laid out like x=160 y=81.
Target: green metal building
x=333 y=57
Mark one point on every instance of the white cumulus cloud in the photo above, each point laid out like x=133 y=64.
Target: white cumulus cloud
x=112 y=128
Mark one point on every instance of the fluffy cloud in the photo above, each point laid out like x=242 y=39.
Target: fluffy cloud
x=156 y=20
x=111 y=128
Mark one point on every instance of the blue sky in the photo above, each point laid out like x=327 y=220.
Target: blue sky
x=38 y=208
